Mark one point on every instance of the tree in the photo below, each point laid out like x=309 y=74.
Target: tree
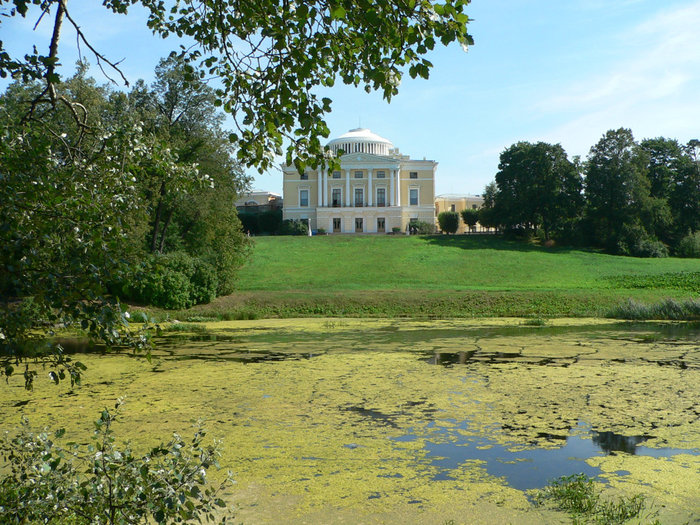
x=537 y=187
x=70 y=217
x=684 y=199
x=269 y=57
x=470 y=217
x=487 y=215
x=73 y=175
x=448 y=221
x=618 y=193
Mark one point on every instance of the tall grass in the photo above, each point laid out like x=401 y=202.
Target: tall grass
x=667 y=309
x=577 y=495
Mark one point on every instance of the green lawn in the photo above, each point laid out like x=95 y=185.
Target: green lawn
x=440 y=276
x=334 y=263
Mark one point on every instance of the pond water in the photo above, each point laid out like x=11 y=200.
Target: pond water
x=419 y=421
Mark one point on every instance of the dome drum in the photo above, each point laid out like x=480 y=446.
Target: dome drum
x=361 y=140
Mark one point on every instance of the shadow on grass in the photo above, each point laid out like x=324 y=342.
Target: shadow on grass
x=495 y=242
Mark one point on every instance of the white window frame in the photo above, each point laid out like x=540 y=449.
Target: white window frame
x=417 y=196
x=340 y=201
x=376 y=194
x=354 y=196
x=308 y=197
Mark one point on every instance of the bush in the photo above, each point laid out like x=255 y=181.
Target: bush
x=635 y=241
x=650 y=247
x=689 y=246
x=45 y=482
x=448 y=221
x=174 y=281
x=423 y=228
x=293 y=227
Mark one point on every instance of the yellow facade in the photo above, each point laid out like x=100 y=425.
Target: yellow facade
x=376 y=189
x=457 y=203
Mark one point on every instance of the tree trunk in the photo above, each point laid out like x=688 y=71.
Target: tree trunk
x=165 y=229
x=156 y=221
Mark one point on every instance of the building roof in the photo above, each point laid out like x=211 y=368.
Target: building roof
x=361 y=140
x=457 y=196
x=361 y=135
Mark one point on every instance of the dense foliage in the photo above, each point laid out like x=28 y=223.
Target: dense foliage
x=635 y=199
x=107 y=483
x=96 y=190
x=448 y=221
x=269 y=56
x=470 y=217
x=538 y=187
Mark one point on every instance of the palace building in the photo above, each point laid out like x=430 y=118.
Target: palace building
x=376 y=190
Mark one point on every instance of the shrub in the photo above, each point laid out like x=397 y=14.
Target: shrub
x=102 y=483
x=649 y=247
x=293 y=227
x=448 y=221
x=423 y=228
x=321 y=231
x=634 y=240
x=689 y=246
x=174 y=281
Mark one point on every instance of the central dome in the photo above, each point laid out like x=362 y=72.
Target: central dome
x=361 y=140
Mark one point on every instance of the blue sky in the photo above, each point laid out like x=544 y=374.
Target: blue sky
x=558 y=71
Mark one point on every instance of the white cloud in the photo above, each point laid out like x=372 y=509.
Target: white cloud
x=662 y=61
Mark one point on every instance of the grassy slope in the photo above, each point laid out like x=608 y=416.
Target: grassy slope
x=439 y=276
x=437 y=263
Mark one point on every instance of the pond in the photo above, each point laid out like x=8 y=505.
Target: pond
x=402 y=421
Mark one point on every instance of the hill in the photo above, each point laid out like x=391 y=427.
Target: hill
x=444 y=276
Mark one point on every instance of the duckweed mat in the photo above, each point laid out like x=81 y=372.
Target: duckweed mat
x=401 y=421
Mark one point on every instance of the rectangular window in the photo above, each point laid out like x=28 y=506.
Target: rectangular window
x=303 y=197
x=336 y=197
x=452 y=207
x=358 y=197
x=381 y=225
x=381 y=174
x=474 y=206
x=304 y=176
x=358 y=225
x=381 y=196
x=336 y=174
x=358 y=174
x=336 y=224
x=413 y=197
x=413 y=175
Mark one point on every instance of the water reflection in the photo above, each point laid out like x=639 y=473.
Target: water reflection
x=534 y=467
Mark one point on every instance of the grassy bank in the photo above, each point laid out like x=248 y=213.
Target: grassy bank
x=440 y=276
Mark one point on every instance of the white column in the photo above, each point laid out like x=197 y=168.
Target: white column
x=398 y=187
x=391 y=188
x=319 y=175
x=325 y=187
x=369 y=186
x=347 y=187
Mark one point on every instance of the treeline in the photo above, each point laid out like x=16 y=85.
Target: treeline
x=626 y=197
x=115 y=195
